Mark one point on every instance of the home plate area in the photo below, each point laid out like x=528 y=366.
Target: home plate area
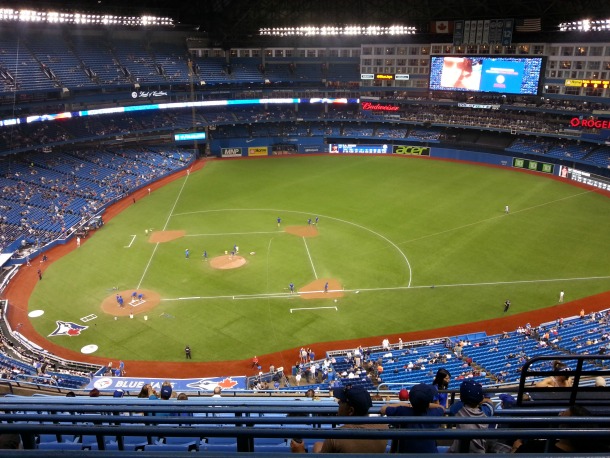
x=137 y=302
x=142 y=301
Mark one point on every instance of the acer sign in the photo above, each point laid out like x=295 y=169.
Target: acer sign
x=590 y=123
x=411 y=150
x=378 y=107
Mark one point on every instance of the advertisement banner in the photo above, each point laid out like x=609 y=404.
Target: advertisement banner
x=587 y=178
x=258 y=151
x=188 y=136
x=534 y=166
x=335 y=148
x=230 y=152
x=407 y=150
x=133 y=385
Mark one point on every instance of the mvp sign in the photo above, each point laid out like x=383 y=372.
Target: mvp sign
x=411 y=150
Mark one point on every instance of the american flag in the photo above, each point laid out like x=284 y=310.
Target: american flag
x=528 y=25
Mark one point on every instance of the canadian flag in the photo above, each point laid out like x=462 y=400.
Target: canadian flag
x=442 y=27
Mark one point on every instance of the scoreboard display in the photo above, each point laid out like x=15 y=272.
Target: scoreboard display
x=472 y=73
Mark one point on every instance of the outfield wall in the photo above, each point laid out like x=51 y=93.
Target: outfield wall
x=240 y=147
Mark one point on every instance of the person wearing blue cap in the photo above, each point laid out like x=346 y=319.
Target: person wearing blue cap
x=507 y=401
x=476 y=405
x=420 y=396
x=353 y=401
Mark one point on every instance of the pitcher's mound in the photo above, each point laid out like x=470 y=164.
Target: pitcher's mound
x=150 y=299
x=303 y=231
x=315 y=290
x=227 y=262
x=165 y=236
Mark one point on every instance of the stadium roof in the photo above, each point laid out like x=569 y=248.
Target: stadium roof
x=229 y=20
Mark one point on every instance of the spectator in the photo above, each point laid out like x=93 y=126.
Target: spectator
x=94 y=393
x=474 y=404
x=556 y=381
x=181 y=397
x=403 y=395
x=166 y=390
x=297 y=445
x=353 y=401
x=146 y=392
x=567 y=445
x=10 y=441
x=441 y=381
x=507 y=401
x=420 y=396
x=217 y=391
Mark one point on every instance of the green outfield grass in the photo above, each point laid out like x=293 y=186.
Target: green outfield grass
x=426 y=243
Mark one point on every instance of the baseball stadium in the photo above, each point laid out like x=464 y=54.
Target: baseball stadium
x=223 y=215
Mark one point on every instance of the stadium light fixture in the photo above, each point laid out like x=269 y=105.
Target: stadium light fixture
x=309 y=31
x=54 y=17
x=585 y=25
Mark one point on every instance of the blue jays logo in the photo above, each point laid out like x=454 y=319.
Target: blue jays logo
x=209 y=384
x=67 y=328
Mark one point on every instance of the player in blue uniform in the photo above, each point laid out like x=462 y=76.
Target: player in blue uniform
x=279 y=221
x=291 y=286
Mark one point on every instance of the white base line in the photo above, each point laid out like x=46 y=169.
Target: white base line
x=390 y=288
x=262 y=296
x=231 y=233
x=310 y=260
x=313 y=308
x=133 y=237
x=164 y=228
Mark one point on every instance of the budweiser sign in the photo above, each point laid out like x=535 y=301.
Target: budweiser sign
x=379 y=107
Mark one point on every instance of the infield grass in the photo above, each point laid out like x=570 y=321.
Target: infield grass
x=389 y=227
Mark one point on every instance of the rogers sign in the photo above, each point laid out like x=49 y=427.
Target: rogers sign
x=590 y=123
x=379 y=107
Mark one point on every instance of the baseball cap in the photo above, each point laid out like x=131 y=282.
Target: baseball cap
x=421 y=395
x=355 y=396
x=507 y=400
x=471 y=392
x=166 y=391
x=403 y=394
x=118 y=394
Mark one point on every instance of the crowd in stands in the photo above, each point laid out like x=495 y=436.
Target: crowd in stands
x=46 y=196
x=494 y=360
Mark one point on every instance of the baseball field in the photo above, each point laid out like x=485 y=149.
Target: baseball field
x=404 y=244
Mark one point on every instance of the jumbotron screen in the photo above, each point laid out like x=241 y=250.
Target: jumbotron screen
x=505 y=75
